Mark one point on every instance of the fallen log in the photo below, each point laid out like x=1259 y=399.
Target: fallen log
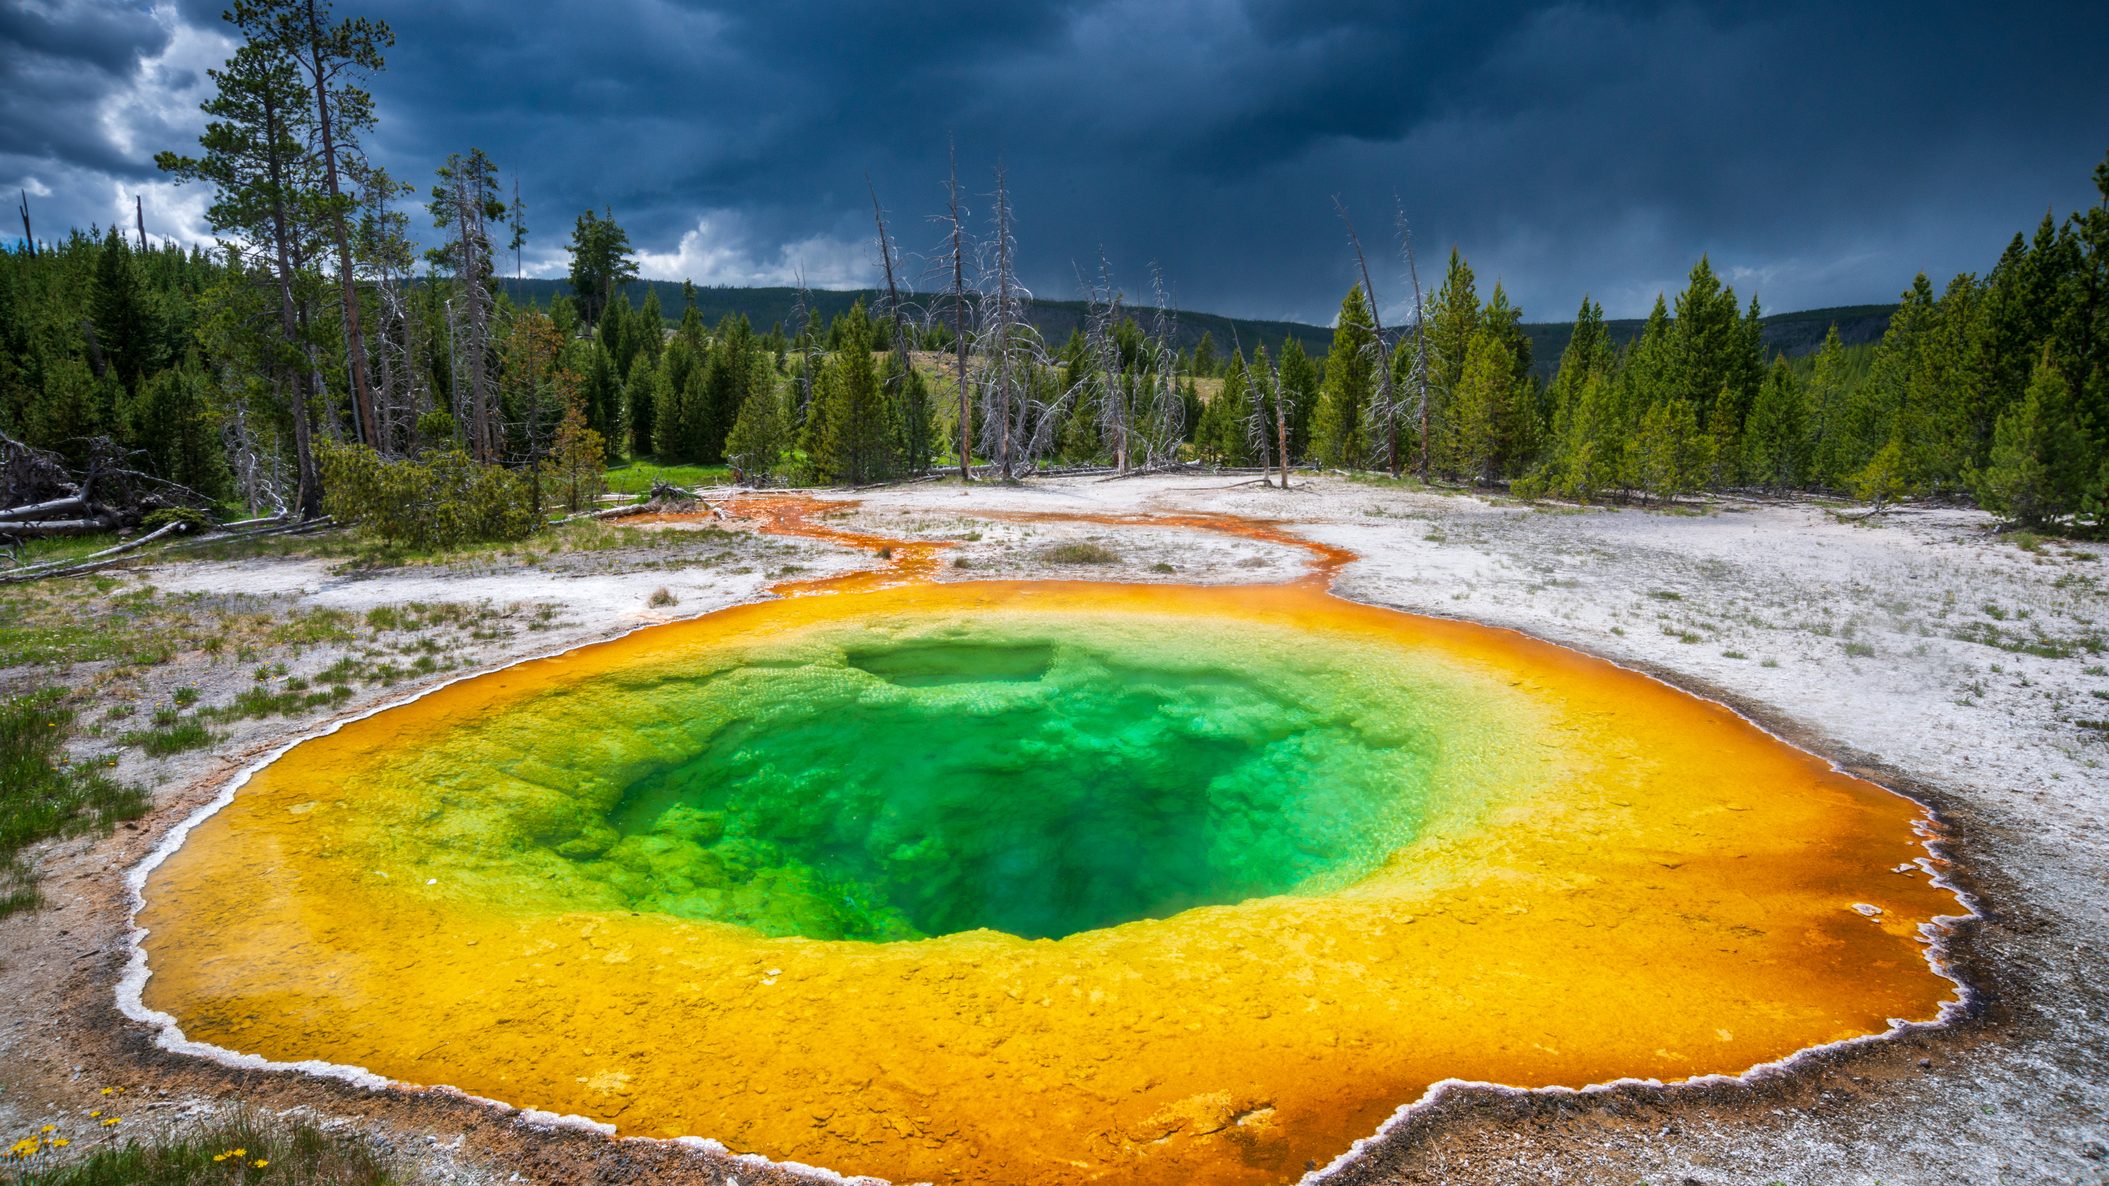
x=53 y=567
x=70 y=504
x=54 y=528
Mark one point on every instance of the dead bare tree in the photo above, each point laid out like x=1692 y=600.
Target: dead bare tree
x=889 y=260
x=1000 y=305
x=257 y=470
x=139 y=214
x=953 y=258
x=44 y=498
x=1384 y=406
x=29 y=239
x=516 y=220
x=1164 y=417
x=1418 y=379
x=1267 y=420
x=464 y=202
x=808 y=347
x=382 y=249
x=1105 y=372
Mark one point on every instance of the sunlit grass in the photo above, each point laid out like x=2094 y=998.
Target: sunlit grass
x=637 y=475
x=43 y=795
x=244 y=1150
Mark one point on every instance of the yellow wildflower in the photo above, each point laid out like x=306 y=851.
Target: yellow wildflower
x=60 y=1142
x=95 y=1113
x=113 y=1120
x=49 y=1128
x=261 y=1163
x=241 y=1153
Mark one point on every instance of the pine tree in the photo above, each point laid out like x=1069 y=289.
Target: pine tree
x=1825 y=400
x=616 y=334
x=1587 y=353
x=2038 y=471
x=1593 y=453
x=264 y=196
x=850 y=436
x=1882 y=480
x=1668 y=454
x=1338 y=433
x=1220 y=436
x=1775 y=439
x=909 y=396
x=650 y=326
x=1453 y=318
x=173 y=422
x=1299 y=383
x=1522 y=429
x=1875 y=409
x=755 y=448
x=601 y=398
x=1206 y=362
x=126 y=324
x=640 y=402
x=574 y=472
x=677 y=398
x=1482 y=411
x=1705 y=340
x=601 y=263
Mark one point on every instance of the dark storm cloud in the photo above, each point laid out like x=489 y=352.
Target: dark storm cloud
x=1821 y=153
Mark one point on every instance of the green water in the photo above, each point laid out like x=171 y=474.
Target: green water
x=1038 y=786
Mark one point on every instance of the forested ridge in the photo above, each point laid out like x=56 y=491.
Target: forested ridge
x=316 y=360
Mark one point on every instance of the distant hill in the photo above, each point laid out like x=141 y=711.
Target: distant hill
x=765 y=307
x=1791 y=334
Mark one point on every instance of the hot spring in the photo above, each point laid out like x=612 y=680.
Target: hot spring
x=1043 y=882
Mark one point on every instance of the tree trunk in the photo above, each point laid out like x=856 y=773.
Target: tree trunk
x=354 y=338
x=310 y=480
x=959 y=328
x=1281 y=433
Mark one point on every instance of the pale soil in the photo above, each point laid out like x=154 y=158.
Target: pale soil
x=1878 y=644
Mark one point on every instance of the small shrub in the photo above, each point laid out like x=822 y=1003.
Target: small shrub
x=192 y=519
x=442 y=499
x=661 y=598
x=1859 y=650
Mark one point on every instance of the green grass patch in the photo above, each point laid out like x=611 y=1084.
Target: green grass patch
x=292 y=699
x=247 y=1150
x=1079 y=552
x=172 y=736
x=637 y=475
x=47 y=551
x=42 y=795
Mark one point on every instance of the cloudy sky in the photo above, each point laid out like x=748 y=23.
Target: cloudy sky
x=1821 y=151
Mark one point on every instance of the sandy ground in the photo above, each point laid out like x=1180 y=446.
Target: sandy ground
x=1916 y=648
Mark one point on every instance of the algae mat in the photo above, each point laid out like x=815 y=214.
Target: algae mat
x=1044 y=883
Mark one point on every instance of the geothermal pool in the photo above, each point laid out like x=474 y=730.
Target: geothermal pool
x=1043 y=882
